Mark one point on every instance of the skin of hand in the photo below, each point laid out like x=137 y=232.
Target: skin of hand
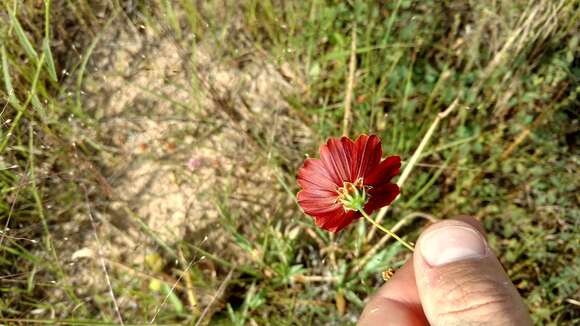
x=453 y=279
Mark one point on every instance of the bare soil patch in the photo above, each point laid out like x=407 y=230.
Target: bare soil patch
x=190 y=139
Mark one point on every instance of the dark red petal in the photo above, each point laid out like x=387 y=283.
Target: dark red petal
x=312 y=204
x=314 y=208
x=313 y=174
x=327 y=212
x=345 y=221
x=337 y=157
x=319 y=193
x=328 y=220
x=337 y=221
x=384 y=172
x=381 y=196
x=368 y=154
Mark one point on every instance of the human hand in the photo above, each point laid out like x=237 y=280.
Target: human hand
x=453 y=279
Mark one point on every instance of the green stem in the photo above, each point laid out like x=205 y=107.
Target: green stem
x=387 y=231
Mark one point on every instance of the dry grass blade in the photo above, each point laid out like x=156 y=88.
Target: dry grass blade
x=102 y=261
x=171 y=291
x=412 y=162
x=523 y=135
x=346 y=121
x=7 y=223
x=314 y=278
x=189 y=286
x=141 y=274
x=218 y=294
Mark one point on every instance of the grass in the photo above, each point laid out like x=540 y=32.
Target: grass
x=507 y=155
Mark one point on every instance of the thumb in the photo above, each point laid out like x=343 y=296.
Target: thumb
x=461 y=282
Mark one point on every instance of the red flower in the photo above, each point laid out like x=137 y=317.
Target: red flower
x=347 y=170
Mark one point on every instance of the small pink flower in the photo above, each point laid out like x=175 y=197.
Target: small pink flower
x=194 y=163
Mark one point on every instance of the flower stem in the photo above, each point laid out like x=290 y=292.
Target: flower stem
x=387 y=231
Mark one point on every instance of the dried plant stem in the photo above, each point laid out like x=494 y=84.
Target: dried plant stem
x=387 y=231
x=185 y=272
x=332 y=252
x=347 y=118
x=189 y=285
x=140 y=274
x=218 y=294
x=314 y=278
x=413 y=161
x=12 y=205
x=523 y=135
x=102 y=261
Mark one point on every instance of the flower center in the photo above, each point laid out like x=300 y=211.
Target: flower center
x=353 y=195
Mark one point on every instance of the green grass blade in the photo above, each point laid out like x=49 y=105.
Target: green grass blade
x=23 y=39
x=6 y=76
x=49 y=60
x=22 y=109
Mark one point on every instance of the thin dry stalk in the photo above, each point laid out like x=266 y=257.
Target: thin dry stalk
x=412 y=162
x=102 y=261
x=218 y=294
x=314 y=278
x=189 y=286
x=186 y=271
x=346 y=121
x=523 y=135
x=140 y=274
x=331 y=249
x=12 y=205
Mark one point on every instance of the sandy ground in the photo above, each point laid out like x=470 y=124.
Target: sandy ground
x=187 y=145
